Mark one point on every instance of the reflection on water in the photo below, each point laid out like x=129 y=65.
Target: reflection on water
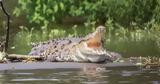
x=93 y=75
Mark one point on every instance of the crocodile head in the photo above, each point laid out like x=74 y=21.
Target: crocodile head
x=91 y=49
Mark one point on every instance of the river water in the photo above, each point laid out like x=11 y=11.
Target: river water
x=120 y=75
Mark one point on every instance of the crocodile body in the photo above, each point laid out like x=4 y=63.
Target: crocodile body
x=78 y=49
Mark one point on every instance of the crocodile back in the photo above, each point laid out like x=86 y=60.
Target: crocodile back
x=55 y=48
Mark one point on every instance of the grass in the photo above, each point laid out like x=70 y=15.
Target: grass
x=137 y=42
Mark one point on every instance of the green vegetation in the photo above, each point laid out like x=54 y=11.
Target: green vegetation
x=123 y=12
x=128 y=22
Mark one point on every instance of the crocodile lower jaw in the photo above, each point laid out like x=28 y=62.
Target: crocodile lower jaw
x=95 y=58
x=84 y=57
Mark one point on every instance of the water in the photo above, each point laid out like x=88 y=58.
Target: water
x=121 y=75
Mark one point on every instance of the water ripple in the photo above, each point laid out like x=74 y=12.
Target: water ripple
x=22 y=73
x=103 y=82
x=34 y=79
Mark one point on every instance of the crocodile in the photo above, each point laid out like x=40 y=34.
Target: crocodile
x=76 y=49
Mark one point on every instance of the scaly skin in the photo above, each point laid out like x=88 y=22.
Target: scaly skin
x=80 y=49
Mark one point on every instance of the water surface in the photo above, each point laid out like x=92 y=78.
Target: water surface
x=121 y=75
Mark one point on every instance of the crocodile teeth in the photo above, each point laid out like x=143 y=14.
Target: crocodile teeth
x=101 y=52
x=97 y=52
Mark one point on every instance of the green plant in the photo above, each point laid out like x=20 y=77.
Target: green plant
x=122 y=12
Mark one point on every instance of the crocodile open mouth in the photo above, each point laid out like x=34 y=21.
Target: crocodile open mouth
x=93 y=44
x=95 y=40
x=86 y=53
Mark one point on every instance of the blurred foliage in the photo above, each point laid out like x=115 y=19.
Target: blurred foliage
x=130 y=23
x=122 y=12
